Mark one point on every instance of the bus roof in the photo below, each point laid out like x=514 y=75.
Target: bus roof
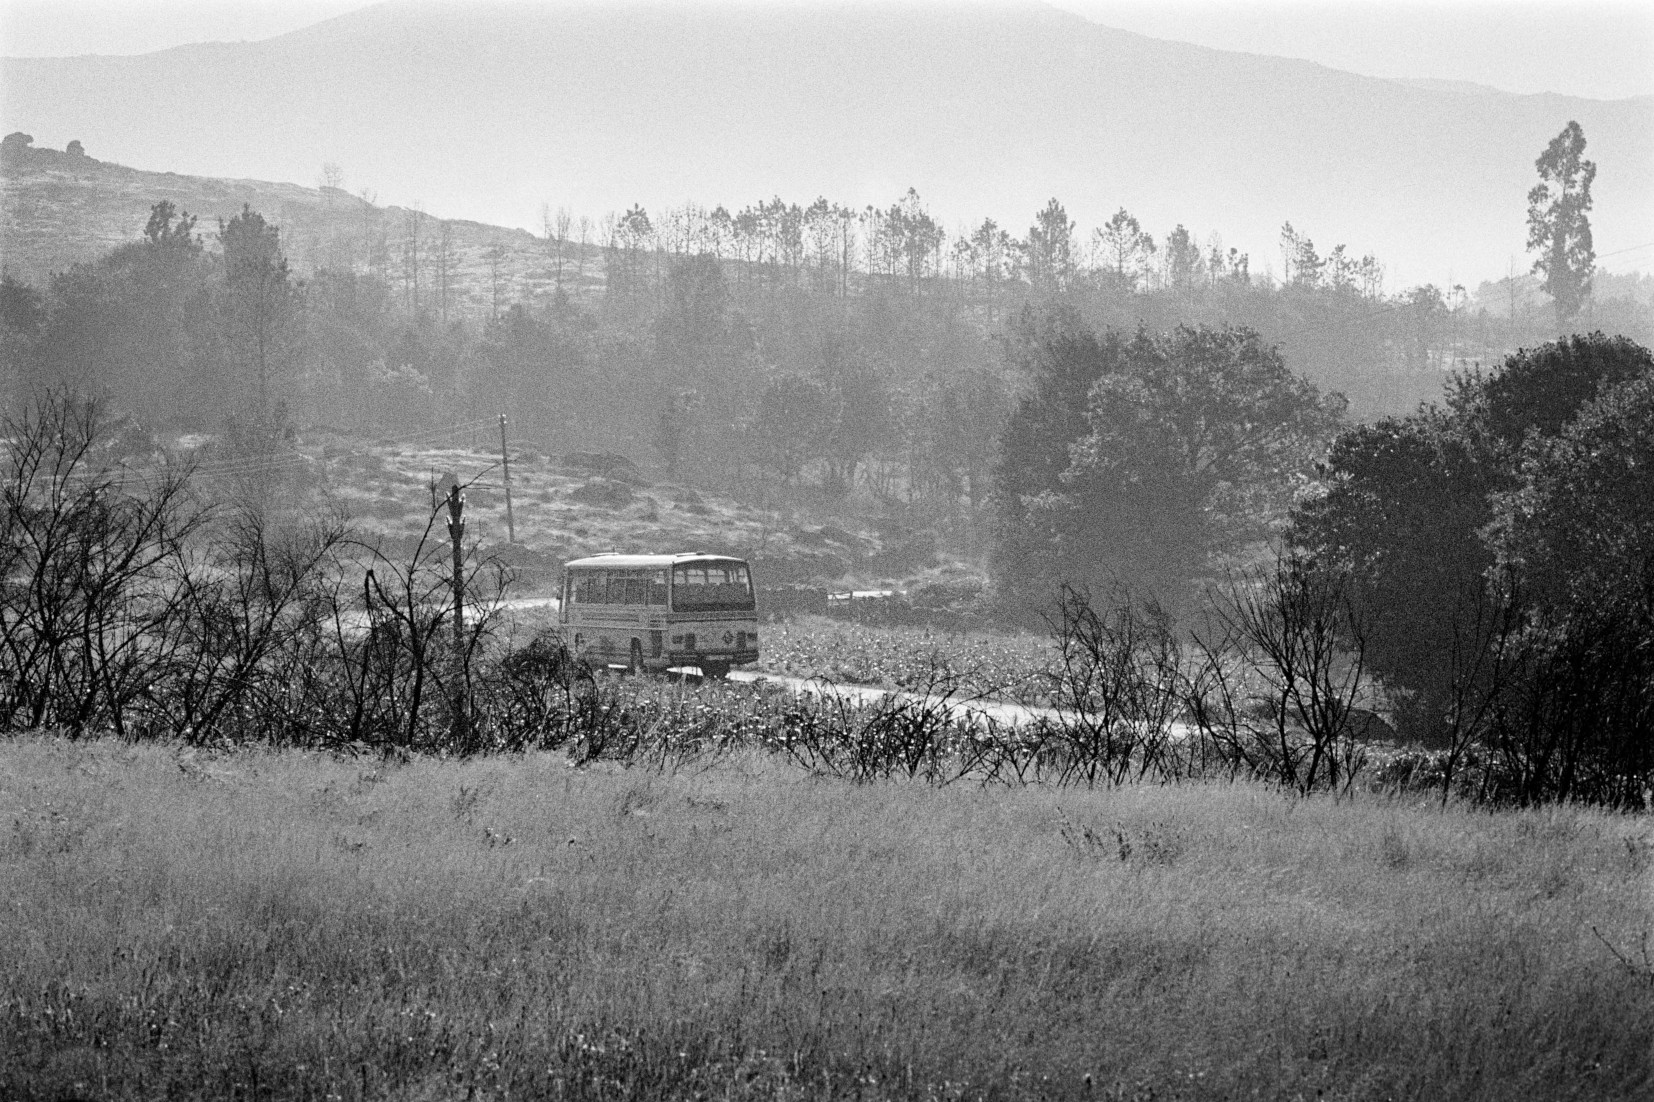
x=647 y=562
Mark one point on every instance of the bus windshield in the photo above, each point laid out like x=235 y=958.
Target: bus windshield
x=711 y=586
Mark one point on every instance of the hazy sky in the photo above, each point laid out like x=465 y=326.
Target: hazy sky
x=1598 y=48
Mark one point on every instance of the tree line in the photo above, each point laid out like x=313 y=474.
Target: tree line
x=783 y=347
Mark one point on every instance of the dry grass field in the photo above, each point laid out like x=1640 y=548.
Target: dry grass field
x=285 y=925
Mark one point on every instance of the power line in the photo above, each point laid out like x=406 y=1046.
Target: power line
x=1627 y=249
x=450 y=430
x=252 y=465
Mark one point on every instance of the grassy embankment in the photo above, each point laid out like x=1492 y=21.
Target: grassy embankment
x=291 y=925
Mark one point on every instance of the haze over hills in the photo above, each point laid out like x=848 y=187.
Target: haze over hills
x=58 y=209
x=485 y=111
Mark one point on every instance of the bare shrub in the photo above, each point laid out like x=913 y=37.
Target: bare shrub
x=1280 y=676
x=538 y=695
x=89 y=559
x=1118 y=690
x=919 y=733
x=246 y=644
x=128 y=605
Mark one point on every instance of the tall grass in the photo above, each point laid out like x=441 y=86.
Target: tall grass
x=293 y=925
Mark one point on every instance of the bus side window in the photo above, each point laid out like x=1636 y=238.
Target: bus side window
x=657 y=587
x=592 y=588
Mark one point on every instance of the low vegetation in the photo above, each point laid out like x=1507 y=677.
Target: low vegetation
x=135 y=606
x=296 y=925
x=986 y=665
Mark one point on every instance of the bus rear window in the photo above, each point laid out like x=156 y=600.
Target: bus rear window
x=698 y=586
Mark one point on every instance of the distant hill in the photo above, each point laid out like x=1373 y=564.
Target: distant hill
x=59 y=208
x=485 y=110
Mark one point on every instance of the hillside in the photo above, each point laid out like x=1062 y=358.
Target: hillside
x=568 y=505
x=58 y=209
x=487 y=110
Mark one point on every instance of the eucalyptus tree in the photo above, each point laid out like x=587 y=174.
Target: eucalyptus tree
x=1557 y=224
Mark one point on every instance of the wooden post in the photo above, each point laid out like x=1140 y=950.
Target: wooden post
x=456 y=533
x=457 y=691
x=505 y=460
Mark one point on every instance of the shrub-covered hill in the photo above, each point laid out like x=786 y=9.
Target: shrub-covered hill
x=567 y=505
x=59 y=208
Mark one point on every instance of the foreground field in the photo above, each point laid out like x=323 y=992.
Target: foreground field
x=292 y=925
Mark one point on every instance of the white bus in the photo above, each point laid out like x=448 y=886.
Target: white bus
x=659 y=612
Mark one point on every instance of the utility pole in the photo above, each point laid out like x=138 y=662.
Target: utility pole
x=505 y=461
x=456 y=534
x=457 y=695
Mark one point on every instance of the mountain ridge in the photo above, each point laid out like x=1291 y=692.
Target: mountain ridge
x=486 y=111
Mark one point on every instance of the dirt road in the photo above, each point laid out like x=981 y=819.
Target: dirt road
x=972 y=711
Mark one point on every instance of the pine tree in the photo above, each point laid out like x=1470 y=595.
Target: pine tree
x=259 y=301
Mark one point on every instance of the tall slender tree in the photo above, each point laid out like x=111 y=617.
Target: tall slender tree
x=259 y=302
x=1183 y=259
x=444 y=260
x=1122 y=245
x=1557 y=224
x=413 y=243
x=1049 y=249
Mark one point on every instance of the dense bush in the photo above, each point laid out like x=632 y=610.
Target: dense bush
x=1499 y=554
x=1145 y=459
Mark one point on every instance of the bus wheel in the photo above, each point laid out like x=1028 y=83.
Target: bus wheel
x=635 y=668
x=715 y=671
